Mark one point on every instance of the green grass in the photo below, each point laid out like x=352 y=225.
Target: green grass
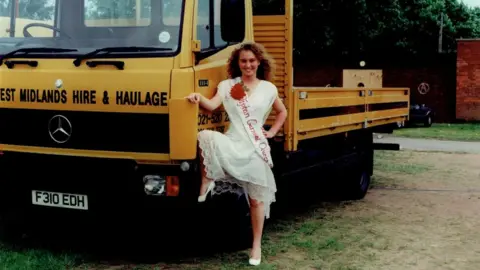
x=314 y=241
x=393 y=167
x=33 y=259
x=398 y=162
x=321 y=238
x=456 y=132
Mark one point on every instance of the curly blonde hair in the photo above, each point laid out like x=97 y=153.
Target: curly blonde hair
x=266 y=69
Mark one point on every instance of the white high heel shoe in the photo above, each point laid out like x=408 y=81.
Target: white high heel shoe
x=254 y=262
x=203 y=197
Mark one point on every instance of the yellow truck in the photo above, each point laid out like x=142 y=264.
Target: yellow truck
x=94 y=122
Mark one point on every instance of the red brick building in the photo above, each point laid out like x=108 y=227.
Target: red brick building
x=468 y=80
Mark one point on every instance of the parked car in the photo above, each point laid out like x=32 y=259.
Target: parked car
x=421 y=114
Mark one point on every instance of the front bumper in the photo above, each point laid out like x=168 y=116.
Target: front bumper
x=114 y=188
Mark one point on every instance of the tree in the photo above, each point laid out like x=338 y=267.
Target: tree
x=341 y=27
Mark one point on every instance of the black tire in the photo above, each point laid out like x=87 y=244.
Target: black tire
x=359 y=183
x=428 y=121
x=358 y=178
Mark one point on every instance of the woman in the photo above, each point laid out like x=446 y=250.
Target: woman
x=241 y=157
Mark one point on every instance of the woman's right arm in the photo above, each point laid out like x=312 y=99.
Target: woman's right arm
x=208 y=104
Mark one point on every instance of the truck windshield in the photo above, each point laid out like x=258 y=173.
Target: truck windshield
x=87 y=25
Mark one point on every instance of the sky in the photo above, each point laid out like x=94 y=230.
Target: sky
x=473 y=3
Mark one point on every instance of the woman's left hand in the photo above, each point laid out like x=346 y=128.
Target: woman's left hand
x=268 y=134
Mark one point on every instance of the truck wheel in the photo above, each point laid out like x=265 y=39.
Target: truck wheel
x=358 y=184
x=359 y=172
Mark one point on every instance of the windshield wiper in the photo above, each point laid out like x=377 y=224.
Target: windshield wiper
x=107 y=50
x=34 y=50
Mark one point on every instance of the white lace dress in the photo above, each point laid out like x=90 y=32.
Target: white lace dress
x=231 y=159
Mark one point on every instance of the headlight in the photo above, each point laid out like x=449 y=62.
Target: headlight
x=154 y=184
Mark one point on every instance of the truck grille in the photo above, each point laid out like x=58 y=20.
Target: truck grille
x=124 y=132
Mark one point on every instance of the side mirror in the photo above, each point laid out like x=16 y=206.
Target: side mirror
x=232 y=20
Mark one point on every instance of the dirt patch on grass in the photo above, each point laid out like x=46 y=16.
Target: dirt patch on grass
x=427 y=170
x=430 y=221
x=423 y=230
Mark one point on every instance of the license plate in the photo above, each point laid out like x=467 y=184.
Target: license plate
x=63 y=200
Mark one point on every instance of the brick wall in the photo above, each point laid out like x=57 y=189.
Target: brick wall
x=468 y=80
x=438 y=73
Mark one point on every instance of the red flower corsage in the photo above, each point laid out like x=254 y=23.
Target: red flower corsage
x=238 y=92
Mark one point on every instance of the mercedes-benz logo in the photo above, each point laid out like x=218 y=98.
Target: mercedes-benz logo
x=59 y=128
x=58 y=83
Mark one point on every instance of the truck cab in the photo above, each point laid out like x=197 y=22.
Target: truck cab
x=92 y=101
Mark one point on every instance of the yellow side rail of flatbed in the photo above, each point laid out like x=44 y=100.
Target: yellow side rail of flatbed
x=324 y=111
